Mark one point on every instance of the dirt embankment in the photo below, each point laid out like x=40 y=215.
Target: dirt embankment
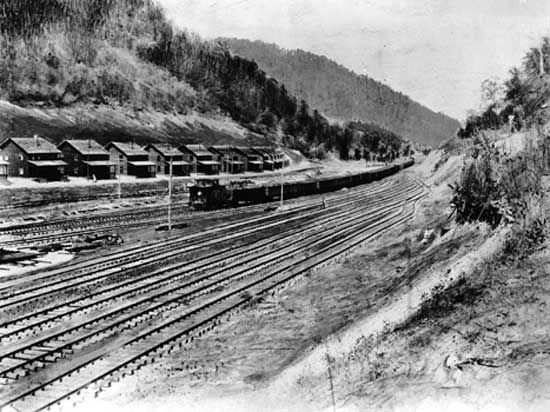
x=476 y=340
x=106 y=123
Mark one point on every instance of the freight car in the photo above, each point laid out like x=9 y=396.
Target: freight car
x=208 y=194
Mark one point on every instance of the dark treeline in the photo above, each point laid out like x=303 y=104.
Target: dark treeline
x=61 y=52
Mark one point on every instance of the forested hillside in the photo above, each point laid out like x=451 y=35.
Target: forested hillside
x=342 y=94
x=127 y=68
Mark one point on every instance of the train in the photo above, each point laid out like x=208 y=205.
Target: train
x=209 y=194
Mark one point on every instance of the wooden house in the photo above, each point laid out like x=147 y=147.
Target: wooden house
x=3 y=170
x=33 y=157
x=232 y=160
x=204 y=161
x=162 y=154
x=131 y=159
x=87 y=158
x=269 y=156
x=254 y=160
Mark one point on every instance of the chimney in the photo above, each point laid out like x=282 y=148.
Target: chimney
x=89 y=143
x=36 y=140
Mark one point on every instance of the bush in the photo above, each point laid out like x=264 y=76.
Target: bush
x=475 y=194
x=530 y=231
x=498 y=188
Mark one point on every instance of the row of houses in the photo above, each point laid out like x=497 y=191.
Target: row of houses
x=36 y=157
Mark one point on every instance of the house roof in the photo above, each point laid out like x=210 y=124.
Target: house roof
x=265 y=150
x=47 y=163
x=99 y=163
x=32 y=145
x=209 y=162
x=86 y=147
x=224 y=149
x=141 y=163
x=248 y=151
x=128 y=149
x=164 y=149
x=198 y=149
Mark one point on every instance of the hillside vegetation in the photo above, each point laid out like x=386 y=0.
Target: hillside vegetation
x=124 y=61
x=342 y=94
x=496 y=185
x=471 y=273
x=520 y=102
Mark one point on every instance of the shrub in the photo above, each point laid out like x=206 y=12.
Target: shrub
x=530 y=231
x=475 y=194
x=498 y=188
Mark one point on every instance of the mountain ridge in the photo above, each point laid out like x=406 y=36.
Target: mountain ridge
x=342 y=94
x=127 y=65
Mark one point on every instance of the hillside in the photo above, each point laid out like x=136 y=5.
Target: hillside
x=109 y=69
x=342 y=94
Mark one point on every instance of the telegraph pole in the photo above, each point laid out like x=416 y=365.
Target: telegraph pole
x=119 y=185
x=282 y=184
x=170 y=198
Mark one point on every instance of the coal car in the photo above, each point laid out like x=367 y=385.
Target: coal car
x=208 y=194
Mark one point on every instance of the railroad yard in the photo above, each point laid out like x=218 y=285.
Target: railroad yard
x=71 y=331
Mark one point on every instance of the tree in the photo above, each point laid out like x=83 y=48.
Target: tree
x=492 y=93
x=343 y=143
x=267 y=118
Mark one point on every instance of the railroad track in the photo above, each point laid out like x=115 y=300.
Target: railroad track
x=155 y=279
x=137 y=253
x=179 y=302
x=41 y=233
x=44 y=232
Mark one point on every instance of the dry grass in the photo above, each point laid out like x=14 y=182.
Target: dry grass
x=479 y=335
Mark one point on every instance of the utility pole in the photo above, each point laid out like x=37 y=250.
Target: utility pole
x=170 y=198
x=282 y=185
x=119 y=184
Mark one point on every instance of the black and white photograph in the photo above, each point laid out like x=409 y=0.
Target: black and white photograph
x=274 y=205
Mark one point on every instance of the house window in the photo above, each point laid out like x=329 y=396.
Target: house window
x=158 y=158
x=21 y=171
x=75 y=158
x=76 y=170
x=21 y=157
x=121 y=169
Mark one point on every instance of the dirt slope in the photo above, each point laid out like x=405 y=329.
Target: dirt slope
x=106 y=123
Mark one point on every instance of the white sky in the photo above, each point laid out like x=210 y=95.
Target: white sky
x=436 y=51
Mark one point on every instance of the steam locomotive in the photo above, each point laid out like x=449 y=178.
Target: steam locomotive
x=209 y=194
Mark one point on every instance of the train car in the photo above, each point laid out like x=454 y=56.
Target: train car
x=208 y=194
